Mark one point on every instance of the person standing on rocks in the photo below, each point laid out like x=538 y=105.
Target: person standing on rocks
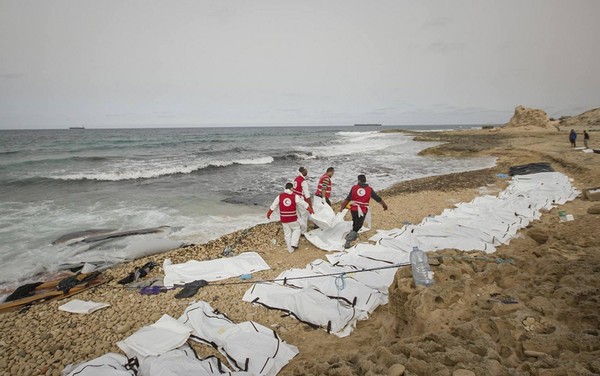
x=586 y=139
x=359 y=198
x=288 y=203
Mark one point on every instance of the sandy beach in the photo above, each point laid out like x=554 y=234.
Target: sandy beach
x=539 y=315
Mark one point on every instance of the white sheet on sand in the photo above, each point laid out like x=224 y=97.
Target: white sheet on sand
x=481 y=224
x=213 y=270
x=80 y=306
x=184 y=362
x=379 y=280
x=331 y=234
x=164 y=335
x=363 y=297
x=487 y=221
x=248 y=346
x=110 y=364
x=307 y=305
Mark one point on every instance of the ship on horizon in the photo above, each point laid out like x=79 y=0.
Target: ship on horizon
x=77 y=127
x=367 y=125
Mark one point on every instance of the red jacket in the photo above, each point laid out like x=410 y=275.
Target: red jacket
x=287 y=207
x=324 y=179
x=360 y=196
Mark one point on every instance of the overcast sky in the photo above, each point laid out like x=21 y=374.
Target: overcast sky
x=282 y=62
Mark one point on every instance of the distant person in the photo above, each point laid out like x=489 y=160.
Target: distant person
x=325 y=185
x=300 y=188
x=288 y=203
x=586 y=139
x=573 y=138
x=359 y=198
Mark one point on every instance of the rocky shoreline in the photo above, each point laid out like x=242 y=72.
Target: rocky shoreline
x=539 y=315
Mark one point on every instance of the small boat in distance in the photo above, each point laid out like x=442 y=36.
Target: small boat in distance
x=80 y=127
x=367 y=125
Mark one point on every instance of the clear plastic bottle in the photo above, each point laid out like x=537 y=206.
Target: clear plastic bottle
x=421 y=271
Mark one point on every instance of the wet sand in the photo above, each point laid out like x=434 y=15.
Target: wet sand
x=539 y=315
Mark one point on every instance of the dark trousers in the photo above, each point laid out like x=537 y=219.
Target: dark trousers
x=357 y=222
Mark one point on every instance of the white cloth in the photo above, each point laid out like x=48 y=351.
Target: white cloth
x=307 y=305
x=363 y=297
x=80 y=306
x=291 y=233
x=323 y=216
x=183 y=362
x=110 y=364
x=164 y=335
x=213 y=270
x=487 y=221
x=248 y=346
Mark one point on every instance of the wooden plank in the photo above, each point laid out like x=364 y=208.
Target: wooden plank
x=48 y=295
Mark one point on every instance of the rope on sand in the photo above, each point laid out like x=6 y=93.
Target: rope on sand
x=342 y=275
x=497 y=260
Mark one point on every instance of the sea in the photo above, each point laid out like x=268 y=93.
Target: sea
x=199 y=183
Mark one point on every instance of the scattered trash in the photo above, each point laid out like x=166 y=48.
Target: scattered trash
x=190 y=289
x=564 y=217
x=503 y=176
x=228 y=252
x=138 y=273
x=274 y=241
x=245 y=277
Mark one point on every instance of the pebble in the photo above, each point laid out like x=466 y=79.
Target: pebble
x=535 y=354
x=122 y=328
x=463 y=372
x=396 y=370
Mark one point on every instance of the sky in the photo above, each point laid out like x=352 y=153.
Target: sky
x=148 y=63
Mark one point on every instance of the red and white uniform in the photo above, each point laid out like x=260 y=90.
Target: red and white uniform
x=360 y=196
x=287 y=207
x=324 y=181
x=288 y=204
x=301 y=186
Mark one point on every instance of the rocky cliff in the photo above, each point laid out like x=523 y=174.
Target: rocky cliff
x=529 y=118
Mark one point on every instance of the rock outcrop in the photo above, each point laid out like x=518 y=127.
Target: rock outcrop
x=529 y=118
x=587 y=120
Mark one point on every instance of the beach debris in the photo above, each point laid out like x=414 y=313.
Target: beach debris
x=138 y=273
x=78 y=236
x=80 y=306
x=190 y=289
x=23 y=291
x=245 y=277
x=530 y=168
x=66 y=284
x=152 y=290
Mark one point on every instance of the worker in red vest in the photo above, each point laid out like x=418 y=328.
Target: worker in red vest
x=359 y=198
x=288 y=203
x=325 y=184
x=300 y=188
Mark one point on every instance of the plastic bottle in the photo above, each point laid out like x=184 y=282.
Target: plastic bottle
x=421 y=270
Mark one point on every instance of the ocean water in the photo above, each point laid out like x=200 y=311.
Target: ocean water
x=201 y=182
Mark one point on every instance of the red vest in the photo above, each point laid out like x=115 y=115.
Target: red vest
x=297 y=189
x=360 y=195
x=287 y=207
x=327 y=193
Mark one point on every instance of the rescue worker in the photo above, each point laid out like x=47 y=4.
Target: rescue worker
x=325 y=185
x=288 y=203
x=300 y=188
x=359 y=198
